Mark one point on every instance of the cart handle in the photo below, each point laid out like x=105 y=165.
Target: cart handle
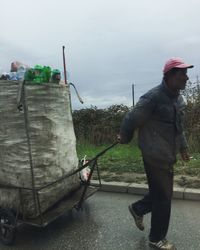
x=67 y=175
x=81 y=168
x=104 y=151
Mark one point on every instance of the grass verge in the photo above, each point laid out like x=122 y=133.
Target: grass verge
x=121 y=158
x=124 y=163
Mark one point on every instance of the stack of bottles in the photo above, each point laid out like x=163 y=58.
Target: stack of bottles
x=42 y=74
x=17 y=71
x=38 y=74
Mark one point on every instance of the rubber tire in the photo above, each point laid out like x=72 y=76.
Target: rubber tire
x=7 y=235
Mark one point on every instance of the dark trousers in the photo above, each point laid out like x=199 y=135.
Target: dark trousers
x=158 y=200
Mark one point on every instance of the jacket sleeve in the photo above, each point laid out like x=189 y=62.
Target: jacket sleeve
x=136 y=118
x=182 y=138
x=183 y=142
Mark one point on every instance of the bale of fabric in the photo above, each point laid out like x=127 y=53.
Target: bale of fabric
x=37 y=146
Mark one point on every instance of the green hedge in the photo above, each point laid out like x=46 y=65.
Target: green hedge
x=99 y=126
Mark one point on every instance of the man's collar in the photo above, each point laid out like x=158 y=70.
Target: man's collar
x=170 y=93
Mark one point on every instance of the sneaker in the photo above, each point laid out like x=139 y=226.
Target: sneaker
x=162 y=244
x=138 y=219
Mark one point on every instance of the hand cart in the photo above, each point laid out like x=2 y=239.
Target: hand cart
x=11 y=220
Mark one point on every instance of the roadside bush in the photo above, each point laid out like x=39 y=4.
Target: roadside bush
x=98 y=126
x=192 y=115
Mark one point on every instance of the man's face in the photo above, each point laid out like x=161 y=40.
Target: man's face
x=180 y=79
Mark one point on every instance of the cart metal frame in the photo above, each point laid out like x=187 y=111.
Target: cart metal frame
x=9 y=220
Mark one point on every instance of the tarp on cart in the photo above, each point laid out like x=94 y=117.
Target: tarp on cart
x=37 y=145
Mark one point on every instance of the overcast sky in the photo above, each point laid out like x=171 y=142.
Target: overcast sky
x=110 y=44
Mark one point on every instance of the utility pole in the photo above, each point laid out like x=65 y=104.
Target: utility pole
x=197 y=79
x=133 y=94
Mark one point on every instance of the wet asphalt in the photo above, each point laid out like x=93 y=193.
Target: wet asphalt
x=105 y=224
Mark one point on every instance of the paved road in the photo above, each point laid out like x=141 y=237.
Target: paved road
x=106 y=224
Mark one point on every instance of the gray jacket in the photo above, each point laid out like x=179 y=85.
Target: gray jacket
x=158 y=117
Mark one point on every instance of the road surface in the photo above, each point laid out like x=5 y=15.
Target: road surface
x=105 y=224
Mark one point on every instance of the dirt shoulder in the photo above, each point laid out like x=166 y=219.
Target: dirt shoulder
x=129 y=177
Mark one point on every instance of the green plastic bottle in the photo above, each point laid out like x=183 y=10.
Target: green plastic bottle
x=56 y=76
x=46 y=73
x=29 y=75
x=38 y=78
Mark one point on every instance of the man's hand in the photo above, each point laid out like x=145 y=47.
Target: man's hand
x=185 y=155
x=119 y=138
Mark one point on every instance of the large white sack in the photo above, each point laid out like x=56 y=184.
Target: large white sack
x=41 y=136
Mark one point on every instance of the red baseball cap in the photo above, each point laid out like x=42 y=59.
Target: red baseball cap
x=176 y=62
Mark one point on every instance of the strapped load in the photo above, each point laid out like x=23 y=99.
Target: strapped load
x=37 y=146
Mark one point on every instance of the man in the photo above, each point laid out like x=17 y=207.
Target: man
x=158 y=118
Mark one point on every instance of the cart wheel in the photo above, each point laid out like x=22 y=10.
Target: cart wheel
x=7 y=227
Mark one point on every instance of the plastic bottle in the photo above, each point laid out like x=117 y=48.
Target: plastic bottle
x=38 y=78
x=29 y=75
x=56 y=76
x=13 y=76
x=46 y=73
x=20 y=73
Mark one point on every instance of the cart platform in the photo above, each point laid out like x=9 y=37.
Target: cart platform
x=66 y=204
x=10 y=220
